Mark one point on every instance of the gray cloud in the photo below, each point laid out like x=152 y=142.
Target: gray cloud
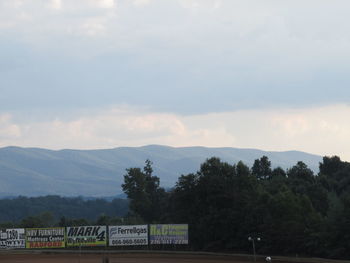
x=176 y=56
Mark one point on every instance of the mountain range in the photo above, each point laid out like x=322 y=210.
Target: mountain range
x=99 y=173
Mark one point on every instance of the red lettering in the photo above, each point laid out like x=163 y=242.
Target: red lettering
x=45 y=244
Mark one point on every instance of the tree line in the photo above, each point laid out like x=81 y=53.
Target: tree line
x=47 y=211
x=293 y=211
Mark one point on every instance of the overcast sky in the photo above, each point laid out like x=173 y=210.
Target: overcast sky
x=84 y=74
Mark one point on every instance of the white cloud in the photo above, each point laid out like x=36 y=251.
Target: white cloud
x=14 y=3
x=182 y=51
x=321 y=130
x=56 y=4
x=189 y=3
x=94 y=27
x=105 y=3
x=140 y=3
x=8 y=130
x=204 y=4
x=6 y=24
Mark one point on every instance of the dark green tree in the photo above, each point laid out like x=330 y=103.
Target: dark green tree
x=262 y=168
x=215 y=202
x=44 y=219
x=302 y=181
x=335 y=174
x=146 y=196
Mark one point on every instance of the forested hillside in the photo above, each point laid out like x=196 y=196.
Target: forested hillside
x=49 y=210
x=293 y=211
x=40 y=172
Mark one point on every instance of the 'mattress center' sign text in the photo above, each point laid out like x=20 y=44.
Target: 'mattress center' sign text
x=45 y=237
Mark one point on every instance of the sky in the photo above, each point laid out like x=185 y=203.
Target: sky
x=94 y=74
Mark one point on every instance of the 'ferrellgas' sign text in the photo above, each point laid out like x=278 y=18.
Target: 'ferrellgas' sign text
x=136 y=235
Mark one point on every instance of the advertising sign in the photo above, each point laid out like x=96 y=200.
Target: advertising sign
x=16 y=238
x=86 y=236
x=169 y=234
x=3 y=238
x=45 y=237
x=136 y=235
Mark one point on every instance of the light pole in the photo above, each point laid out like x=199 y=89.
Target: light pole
x=252 y=239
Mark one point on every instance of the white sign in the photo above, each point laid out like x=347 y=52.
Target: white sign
x=136 y=235
x=3 y=238
x=16 y=238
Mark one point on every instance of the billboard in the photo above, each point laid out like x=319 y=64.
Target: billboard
x=45 y=237
x=16 y=238
x=86 y=236
x=136 y=235
x=3 y=239
x=169 y=234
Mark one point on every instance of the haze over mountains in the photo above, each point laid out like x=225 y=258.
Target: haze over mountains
x=35 y=171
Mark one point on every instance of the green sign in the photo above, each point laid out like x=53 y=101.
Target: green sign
x=86 y=236
x=169 y=234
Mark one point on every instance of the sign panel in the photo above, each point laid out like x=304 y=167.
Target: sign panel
x=136 y=235
x=3 y=239
x=169 y=234
x=86 y=236
x=45 y=237
x=16 y=238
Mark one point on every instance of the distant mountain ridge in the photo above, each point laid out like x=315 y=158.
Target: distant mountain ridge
x=35 y=171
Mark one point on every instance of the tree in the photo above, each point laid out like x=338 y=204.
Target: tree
x=302 y=181
x=262 y=168
x=331 y=165
x=335 y=174
x=278 y=172
x=300 y=177
x=144 y=192
x=44 y=219
x=215 y=202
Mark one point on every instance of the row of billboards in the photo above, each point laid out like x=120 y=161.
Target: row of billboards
x=91 y=236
